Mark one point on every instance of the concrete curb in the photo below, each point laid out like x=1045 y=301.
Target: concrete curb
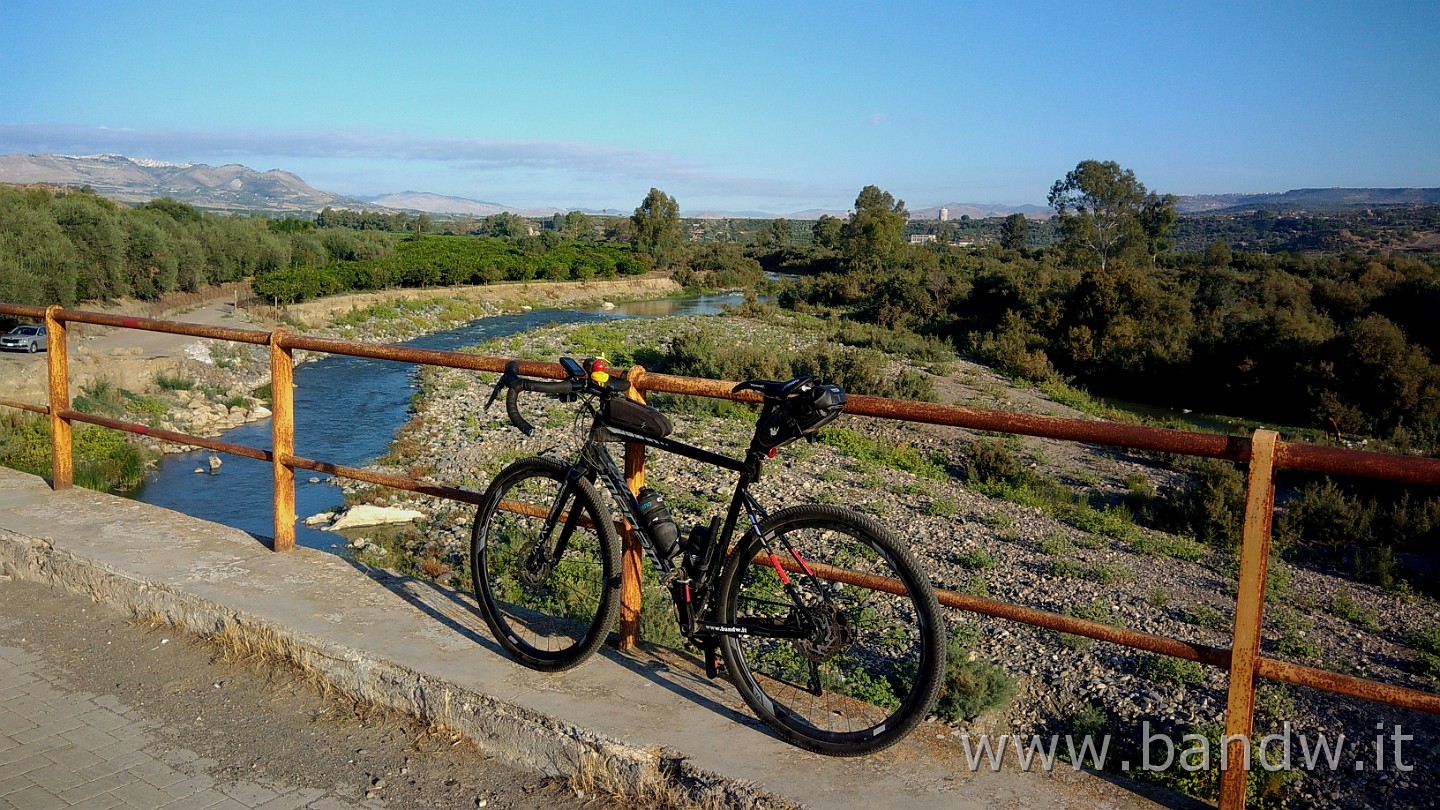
x=510 y=732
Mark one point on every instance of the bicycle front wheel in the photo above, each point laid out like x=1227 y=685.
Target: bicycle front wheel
x=546 y=564
x=870 y=653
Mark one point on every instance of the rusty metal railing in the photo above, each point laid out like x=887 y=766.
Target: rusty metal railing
x=1263 y=452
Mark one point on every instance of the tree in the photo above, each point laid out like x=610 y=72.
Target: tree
x=778 y=234
x=826 y=231
x=1104 y=210
x=1015 y=232
x=506 y=225
x=875 y=233
x=577 y=225
x=657 y=227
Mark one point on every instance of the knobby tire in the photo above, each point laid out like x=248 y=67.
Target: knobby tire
x=877 y=659
x=549 y=614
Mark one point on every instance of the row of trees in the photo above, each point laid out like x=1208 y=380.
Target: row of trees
x=442 y=261
x=64 y=247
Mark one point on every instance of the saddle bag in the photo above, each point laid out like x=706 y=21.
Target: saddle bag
x=800 y=416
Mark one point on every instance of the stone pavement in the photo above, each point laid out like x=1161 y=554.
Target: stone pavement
x=645 y=717
x=61 y=747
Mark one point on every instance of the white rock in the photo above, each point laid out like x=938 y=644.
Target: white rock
x=371 y=515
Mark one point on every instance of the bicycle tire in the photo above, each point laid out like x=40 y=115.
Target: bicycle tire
x=549 y=613
x=877 y=658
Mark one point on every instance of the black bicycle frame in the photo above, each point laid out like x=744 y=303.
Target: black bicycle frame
x=711 y=557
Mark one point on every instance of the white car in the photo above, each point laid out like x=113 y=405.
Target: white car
x=24 y=339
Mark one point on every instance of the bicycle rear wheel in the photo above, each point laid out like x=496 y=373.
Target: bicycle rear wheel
x=546 y=564
x=870 y=663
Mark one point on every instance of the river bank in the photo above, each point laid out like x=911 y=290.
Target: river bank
x=206 y=387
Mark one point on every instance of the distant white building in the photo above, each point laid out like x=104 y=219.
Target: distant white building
x=921 y=238
x=944 y=214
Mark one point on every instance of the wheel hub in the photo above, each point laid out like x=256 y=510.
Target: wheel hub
x=828 y=635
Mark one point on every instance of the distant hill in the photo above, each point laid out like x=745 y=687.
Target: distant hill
x=1307 y=199
x=441 y=204
x=231 y=187
x=955 y=210
x=234 y=187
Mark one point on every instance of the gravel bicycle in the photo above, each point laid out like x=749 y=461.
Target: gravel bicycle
x=822 y=618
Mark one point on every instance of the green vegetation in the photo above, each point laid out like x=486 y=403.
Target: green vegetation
x=1426 y=642
x=974 y=559
x=971 y=687
x=1168 y=669
x=1207 y=617
x=438 y=260
x=104 y=459
x=61 y=247
x=905 y=457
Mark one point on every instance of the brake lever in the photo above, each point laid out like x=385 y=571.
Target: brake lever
x=512 y=373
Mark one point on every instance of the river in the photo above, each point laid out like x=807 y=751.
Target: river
x=347 y=409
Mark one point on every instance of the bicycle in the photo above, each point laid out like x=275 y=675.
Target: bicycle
x=843 y=665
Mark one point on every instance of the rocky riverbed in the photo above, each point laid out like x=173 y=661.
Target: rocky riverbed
x=1111 y=571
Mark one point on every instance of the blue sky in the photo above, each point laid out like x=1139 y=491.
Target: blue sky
x=775 y=107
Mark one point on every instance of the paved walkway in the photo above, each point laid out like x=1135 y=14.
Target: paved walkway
x=65 y=748
x=424 y=650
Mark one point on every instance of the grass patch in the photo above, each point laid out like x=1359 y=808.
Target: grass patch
x=1206 y=616
x=974 y=560
x=942 y=507
x=1168 y=545
x=174 y=382
x=1344 y=606
x=1097 y=610
x=104 y=460
x=1169 y=669
x=862 y=448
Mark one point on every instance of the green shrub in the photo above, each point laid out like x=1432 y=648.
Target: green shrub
x=1344 y=606
x=971 y=688
x=1207 y=617
x=1209 y=506
x=1323 y=517
x=174 y=382
x=1169 y=669
x=1064 y=569
x=942 y=507
x=1107 y=574
x=1054 y=544
x=974 y=559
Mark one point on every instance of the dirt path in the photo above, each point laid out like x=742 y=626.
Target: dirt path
x=98 y=705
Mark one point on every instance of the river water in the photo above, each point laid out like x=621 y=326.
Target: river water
x=347 y=409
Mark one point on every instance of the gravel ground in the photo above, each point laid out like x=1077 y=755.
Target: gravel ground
x=245 y=731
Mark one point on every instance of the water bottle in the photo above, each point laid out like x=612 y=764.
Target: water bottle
x=658 y=523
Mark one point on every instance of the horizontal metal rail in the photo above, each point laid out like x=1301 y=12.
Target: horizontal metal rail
x=1264 y=452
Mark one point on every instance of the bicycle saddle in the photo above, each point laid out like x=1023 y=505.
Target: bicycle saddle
x=777 y=389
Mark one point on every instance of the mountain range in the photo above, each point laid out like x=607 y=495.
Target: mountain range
x=234 y=187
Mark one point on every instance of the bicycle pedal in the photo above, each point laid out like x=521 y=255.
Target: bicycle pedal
x=712 y=663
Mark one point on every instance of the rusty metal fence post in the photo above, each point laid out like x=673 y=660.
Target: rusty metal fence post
x=631 y=594
x=282 y=438
x=1249 y=619
x=62 y=460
